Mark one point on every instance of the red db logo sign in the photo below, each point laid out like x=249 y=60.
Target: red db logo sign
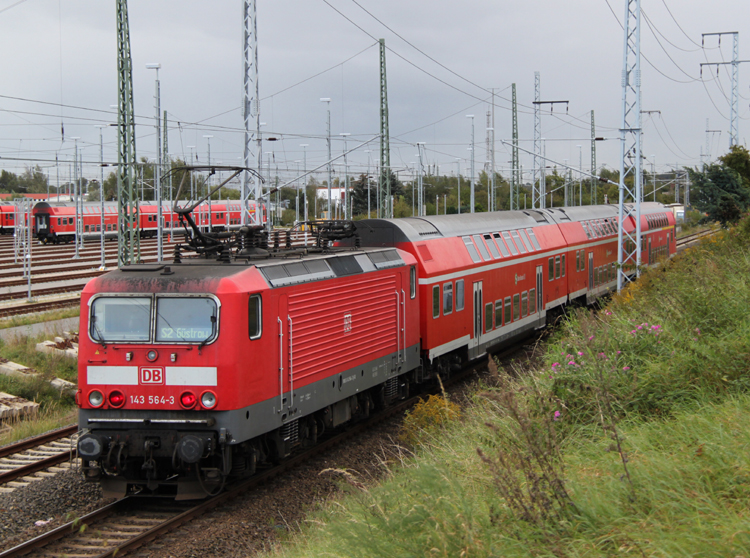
x=151 y=375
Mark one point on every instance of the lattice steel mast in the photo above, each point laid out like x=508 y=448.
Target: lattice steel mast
x=734 y=102
x=127 y=198
x=537 y=196
x=384 y=185
x=630 y=144
x=250 y=109
x=515 y=179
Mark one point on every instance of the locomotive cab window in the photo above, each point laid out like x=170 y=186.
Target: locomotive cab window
x=120 y=319
x=185 y=319
x=255 y=317
x=413 y=282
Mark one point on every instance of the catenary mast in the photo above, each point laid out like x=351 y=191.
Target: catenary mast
x=127 y=199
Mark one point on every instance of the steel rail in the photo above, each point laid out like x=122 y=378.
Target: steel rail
x=37 y=441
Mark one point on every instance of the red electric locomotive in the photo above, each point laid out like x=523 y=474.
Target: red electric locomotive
x=200 y=370
x=193 y=372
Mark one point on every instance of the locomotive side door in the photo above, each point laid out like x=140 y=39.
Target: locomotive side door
x=478 y=309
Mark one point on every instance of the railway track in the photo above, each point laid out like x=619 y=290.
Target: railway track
x=20 y=460
x=689 y=239
x=65 y=302
x=134 y=522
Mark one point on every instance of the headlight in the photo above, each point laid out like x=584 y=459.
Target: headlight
x=152 y=355
x=208 y=400
x=116 y=399
x=188 y=400
x=96 y=398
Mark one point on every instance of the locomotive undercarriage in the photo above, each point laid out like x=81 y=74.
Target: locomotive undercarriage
x=194 y=464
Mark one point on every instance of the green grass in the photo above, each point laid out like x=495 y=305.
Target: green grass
x=30 y=319
x=22 y=350
x=642 y=410
x=50 y=417
x=55 y=409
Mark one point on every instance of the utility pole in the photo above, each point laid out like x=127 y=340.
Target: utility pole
x=538 y=181
x=76 y=187
x=580 y=175
x=102 y=264
x=384 y=180
x=734 y=103
x=345 y=197
x=166 y=161
x=491 y=130
x=420 y=183
x=327 y=101
x=708 y=144
x=537 y=196
x=208 y=181
x=471 y=209
x=127 y=200
x=458 y=176
x=515 y=180
x=594 y=199
x=250 y=111
x=157 y=166
x=630 y=146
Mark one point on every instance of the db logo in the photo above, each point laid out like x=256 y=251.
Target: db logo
x=151 y=375
x=347 y=323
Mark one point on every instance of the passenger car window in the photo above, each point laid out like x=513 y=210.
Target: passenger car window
x=436 y=301
x=459 y=295
x=488 y=317
x=501 y=245
x=447 y=298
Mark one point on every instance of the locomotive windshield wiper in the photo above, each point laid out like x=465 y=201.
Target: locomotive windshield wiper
x=98 y=332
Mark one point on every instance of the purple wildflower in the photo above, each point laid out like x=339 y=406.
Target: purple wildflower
x=557 y=415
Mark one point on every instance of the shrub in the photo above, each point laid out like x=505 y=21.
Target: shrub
x=428 y=416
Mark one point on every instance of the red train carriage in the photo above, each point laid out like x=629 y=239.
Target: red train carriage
x=55 y=221
x=7 y=219
x=197 y=371
x=488 y=279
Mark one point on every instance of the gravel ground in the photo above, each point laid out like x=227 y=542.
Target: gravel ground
x=253 y=522
x=55 y=500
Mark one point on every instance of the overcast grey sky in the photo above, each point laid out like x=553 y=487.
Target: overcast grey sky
x=64 y=51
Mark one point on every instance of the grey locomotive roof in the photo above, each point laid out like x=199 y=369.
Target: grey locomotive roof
x=386 y=232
